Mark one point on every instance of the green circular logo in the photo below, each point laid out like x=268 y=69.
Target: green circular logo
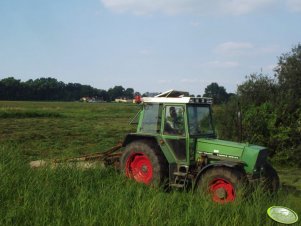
x=282 y=215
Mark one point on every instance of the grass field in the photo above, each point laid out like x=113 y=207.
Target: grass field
x=68 y=196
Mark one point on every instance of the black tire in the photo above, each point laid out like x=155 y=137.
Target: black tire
x=270 y=179
x=144 y=162
x=222 y=184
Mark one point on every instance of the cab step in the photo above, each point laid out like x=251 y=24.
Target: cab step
x=177 y=185
x=180 y=174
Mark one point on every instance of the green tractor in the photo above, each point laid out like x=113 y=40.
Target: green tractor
x=175 y=145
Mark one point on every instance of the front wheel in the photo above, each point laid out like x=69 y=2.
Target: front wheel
x=223 y=184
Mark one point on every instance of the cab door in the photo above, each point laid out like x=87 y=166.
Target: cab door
x=174 y=132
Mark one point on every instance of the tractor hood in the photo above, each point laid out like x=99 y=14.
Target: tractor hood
x=252 y=155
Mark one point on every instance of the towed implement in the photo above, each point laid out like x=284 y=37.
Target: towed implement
x=175 y=146
x=108 y=157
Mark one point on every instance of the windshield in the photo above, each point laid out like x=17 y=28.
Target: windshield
x=199 y=119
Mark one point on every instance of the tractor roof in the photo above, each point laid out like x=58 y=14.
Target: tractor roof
x=173 y=93
x=174 y=96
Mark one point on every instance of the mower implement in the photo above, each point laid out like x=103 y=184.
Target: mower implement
x=108 y=157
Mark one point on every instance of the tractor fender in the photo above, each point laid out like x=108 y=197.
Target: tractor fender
x=237 y=165
x=129 y=138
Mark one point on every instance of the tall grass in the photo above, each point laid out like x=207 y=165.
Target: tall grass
x=69 y=196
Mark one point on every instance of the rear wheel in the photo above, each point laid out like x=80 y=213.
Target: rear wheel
x=222 y=184
x=144 y=162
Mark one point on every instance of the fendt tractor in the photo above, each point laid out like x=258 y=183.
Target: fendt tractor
x=176 y=145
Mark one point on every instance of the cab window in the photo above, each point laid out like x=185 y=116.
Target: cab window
x=174 y=121
x=199 y=120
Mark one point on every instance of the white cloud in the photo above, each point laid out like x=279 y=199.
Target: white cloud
x=146 y=52
x=143 y=7
x=233 y=48
x=193 y=81
x=294 y=5
x=239 y=7
x=269 y=67
x=221 y=64
x=195 y=23
x=230 y=49
x=189 y=80
x=164 y=81
x=267 y=49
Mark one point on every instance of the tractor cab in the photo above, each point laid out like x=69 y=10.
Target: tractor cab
x=177 y=121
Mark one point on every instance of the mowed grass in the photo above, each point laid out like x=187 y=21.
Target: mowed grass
x=52 y=129
x=69 y=196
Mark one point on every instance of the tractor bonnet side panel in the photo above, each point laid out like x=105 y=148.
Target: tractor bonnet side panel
x=252 y=156
x=219 y=148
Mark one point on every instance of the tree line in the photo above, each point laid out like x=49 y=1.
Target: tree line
x=267 y=110
x=50 y=89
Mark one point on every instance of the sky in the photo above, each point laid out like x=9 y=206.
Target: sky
x=148 y=45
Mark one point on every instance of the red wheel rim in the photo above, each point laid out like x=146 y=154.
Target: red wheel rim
x=139 y=167
x=222 y=190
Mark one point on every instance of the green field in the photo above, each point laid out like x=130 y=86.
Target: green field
x=69 y=196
